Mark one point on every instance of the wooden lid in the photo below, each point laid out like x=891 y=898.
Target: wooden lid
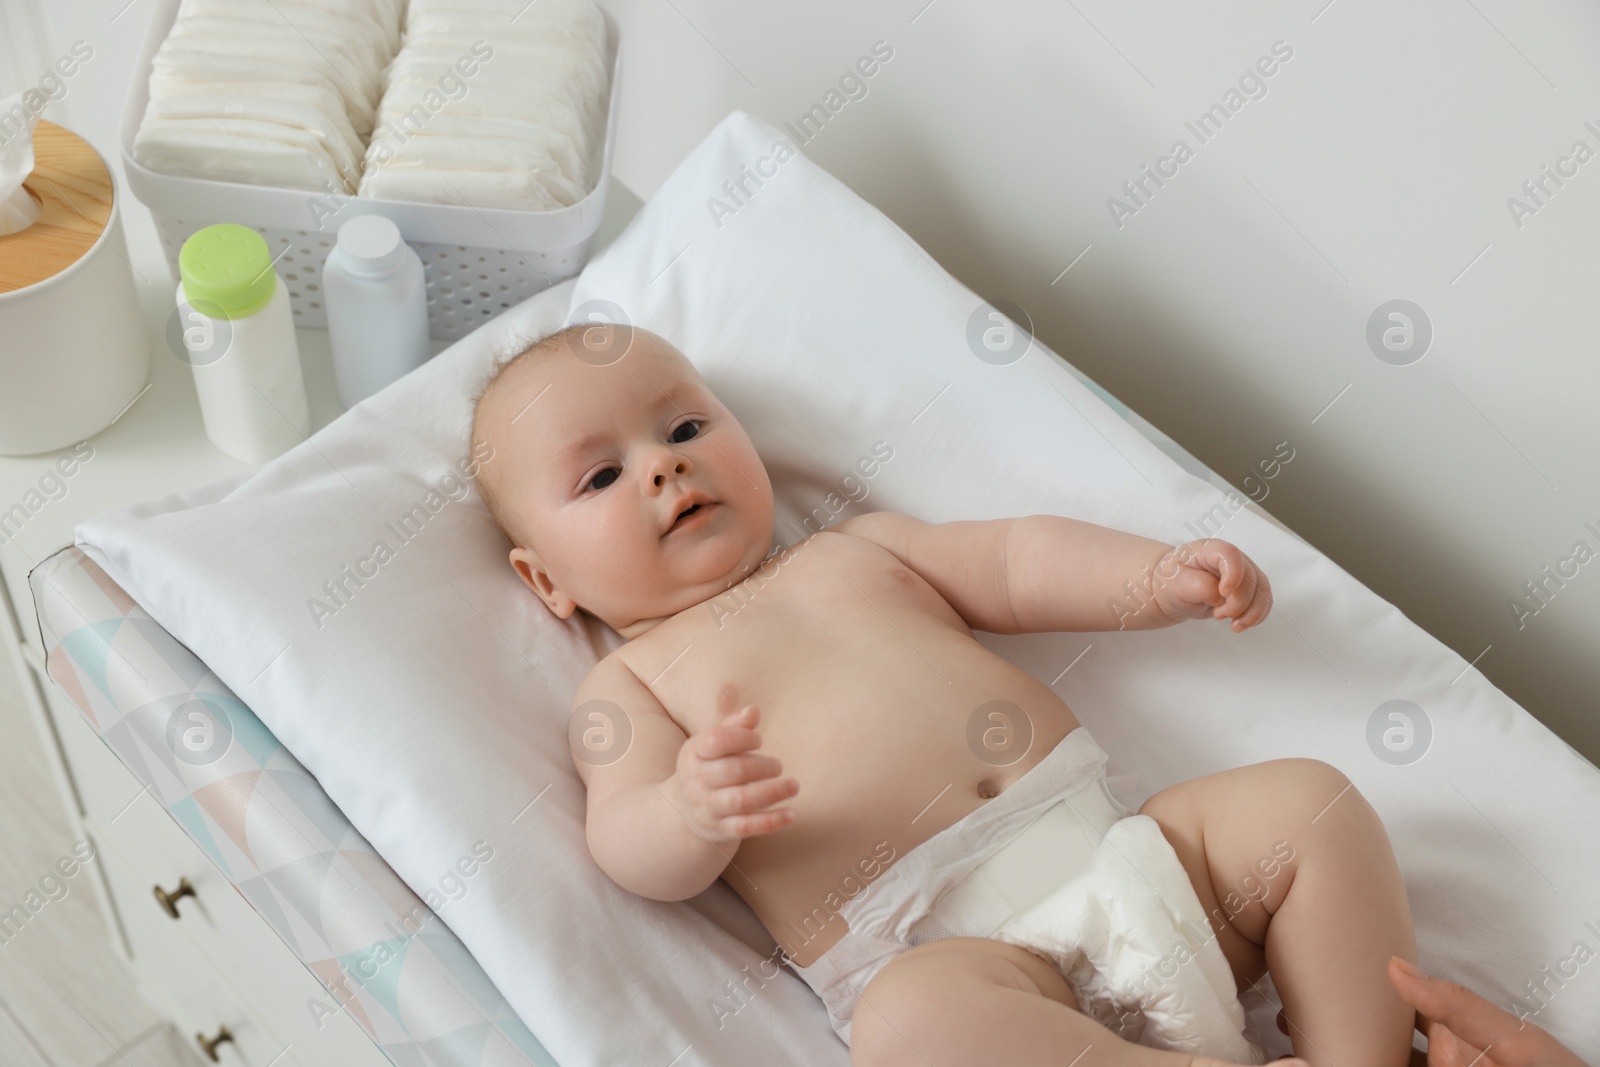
x=70 y=182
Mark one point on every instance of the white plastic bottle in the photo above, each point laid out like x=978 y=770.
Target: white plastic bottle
x=237 y=335
x=377 y=303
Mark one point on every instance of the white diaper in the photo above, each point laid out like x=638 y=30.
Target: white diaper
x=1129 y=933
x=1056 y=865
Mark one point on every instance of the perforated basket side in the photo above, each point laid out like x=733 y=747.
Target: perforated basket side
x=477 y=262
x=466 y=285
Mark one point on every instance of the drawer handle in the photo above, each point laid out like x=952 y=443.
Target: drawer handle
x=208 y=1045
x=169 y=901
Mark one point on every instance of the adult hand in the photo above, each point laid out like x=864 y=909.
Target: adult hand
x=1464 y=1030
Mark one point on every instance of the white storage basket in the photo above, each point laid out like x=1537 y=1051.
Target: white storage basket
x=478 y=262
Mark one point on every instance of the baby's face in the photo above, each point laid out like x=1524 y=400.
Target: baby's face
x=596 y=466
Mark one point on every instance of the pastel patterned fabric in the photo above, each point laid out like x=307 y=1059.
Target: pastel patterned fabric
x=382 y=953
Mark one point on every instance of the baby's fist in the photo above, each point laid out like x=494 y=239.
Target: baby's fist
x=723 y=785
x=1213 y=578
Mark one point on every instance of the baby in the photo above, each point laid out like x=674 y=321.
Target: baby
x=923 y=827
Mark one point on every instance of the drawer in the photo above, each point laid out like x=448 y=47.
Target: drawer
x=179 y=981
x=170 y=971
x=250 y=1044
x=219 y=923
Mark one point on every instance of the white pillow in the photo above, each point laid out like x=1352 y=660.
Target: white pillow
x=431 y=703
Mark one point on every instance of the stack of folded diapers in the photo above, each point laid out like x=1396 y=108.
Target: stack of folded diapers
x=486 y=103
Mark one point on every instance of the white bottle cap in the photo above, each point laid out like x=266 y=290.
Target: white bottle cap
x=370 y=244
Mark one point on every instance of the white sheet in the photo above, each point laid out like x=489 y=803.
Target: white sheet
x=432 y=705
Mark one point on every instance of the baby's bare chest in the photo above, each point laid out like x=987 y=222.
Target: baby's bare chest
x=829 y=627
x=872 y=693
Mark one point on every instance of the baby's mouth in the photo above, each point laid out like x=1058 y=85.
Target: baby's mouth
x=688 y=515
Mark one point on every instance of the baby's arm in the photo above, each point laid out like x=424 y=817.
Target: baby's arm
x=666 y=816
x=1049 y=573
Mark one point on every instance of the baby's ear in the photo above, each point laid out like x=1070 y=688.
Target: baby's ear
x=531 y=570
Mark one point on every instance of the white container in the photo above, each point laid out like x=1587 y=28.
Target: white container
x=73 y=348
x=246 y=365
x=377 y=297
x=477 y=262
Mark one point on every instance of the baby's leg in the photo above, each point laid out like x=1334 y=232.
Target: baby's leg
x=973 y=1002
x=1325 y=919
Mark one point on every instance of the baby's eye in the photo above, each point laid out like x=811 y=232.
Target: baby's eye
x=602 y=479
x=690 y=424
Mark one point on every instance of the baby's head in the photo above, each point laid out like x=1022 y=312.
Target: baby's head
x=595 y=461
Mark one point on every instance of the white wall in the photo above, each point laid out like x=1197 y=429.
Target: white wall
x=1232 y=308
x=21 y=46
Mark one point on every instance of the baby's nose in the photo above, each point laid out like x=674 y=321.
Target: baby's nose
x=679 y=468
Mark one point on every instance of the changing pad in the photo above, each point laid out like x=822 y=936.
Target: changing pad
x=355 y=594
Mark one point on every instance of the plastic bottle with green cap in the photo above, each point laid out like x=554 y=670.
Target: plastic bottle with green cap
x=235 y=329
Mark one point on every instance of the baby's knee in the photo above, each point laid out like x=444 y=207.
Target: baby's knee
x=1318 y=791
x=1310 y=776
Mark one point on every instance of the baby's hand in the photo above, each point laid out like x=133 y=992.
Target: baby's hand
x=723 y=785
x=1212 y=577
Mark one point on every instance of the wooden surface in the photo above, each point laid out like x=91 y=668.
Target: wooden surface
x=74 y=190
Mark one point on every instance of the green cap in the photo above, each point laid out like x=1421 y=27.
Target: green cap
x=227 y=271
